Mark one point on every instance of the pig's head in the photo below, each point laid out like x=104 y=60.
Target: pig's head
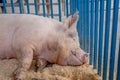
x=64 y=50
x=70 y=26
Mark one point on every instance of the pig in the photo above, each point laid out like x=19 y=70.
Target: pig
x=27 y=37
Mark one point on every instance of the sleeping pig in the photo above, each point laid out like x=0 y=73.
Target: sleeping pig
x=27 y=37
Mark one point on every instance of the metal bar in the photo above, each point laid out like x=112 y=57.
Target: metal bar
x=91 y=32
x=100 y=36
x=72 y=7
x=79 y=24
x=107 y=31
x=113 y=41
x=12 y=6
x=28 y=7
x=84 y=27
x=66 y=8
x=96 y=35
x=43 y=4
x=82 y=22
x=59 y=8
x=87 y=24
x=16 y=4
x=20 y=6
x=36 y=7
x=51 y=8
x=118 y=67
x=4 y=6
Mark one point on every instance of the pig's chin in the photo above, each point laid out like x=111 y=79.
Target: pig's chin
x=72 y=60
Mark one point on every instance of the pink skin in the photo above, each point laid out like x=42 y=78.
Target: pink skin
x=27 y=37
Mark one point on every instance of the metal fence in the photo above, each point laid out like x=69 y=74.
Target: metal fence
x=97 y=27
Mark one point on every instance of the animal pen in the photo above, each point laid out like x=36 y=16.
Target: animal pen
x=98 y=27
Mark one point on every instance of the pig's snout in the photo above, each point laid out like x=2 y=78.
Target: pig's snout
x=73 y=60
x=85 y=58
x=78 y=58
x=82 y=56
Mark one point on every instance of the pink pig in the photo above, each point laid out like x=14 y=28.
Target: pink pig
x=27 y=37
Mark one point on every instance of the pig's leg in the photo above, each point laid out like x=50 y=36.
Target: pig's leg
x=41 y=63
x=25 y=57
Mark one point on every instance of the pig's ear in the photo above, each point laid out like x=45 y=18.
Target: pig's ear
x=71 y=21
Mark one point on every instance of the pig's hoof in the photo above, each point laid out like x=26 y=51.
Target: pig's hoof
x=20 y=75
x=19 y=78
x=41 y=63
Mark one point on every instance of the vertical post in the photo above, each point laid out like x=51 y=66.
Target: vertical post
x=100 y=36
x=118 y=67
x=43 y=5
x=91 y=32
x=66 y=8
x=12 y=6
x=72 y=6
x=28 y=7
x=113 y=41
x=51 y=9
x=96 y=35
x=36 y=7
x=59 y=8
x=107 y=31
x=20 y=6
x=79 y=25
x=84 y=24
x=87 y=24
x=4 y=6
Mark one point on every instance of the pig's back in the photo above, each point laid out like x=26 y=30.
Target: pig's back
x=16 y=27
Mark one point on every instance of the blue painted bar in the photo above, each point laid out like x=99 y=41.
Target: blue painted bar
x=118 y=67
x=113 y=41
x=91 y=32
x=4 y=6
x=100 y=36
x=72 y=7
x=59 y=8
x=36 y=7
x=20 y=6
x=12 y=6
x=82 y=22
x=79 y=21
x=87 y=24
x=28 y=7
x=43 y=5
x=96 y=35
x=107 y=34
x=84 y=26
x=51 y=8
x=66 y=2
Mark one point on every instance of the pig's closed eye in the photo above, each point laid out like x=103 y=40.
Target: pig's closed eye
x=73 y=52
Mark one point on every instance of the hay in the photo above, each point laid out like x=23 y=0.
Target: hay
x=55 y=72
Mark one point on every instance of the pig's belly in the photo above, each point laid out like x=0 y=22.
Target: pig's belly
x=6 y=50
